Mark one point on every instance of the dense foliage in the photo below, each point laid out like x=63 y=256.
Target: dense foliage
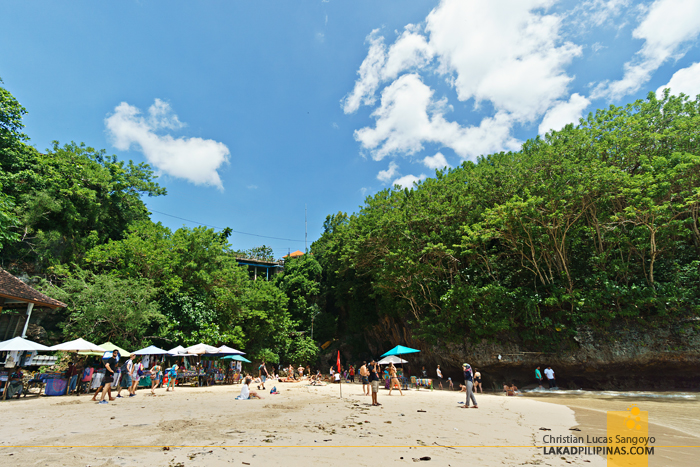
x=587 y=225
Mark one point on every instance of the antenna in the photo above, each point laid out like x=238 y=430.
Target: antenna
x=306 y=248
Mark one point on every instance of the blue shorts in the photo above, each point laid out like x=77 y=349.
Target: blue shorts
x=263 y=378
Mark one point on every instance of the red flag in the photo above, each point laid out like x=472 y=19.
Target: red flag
x=338 y=361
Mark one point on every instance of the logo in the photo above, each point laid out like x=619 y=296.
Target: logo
x=629 y=443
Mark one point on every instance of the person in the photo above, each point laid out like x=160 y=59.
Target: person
x=439 y=375
x=351 y=373
x=263 y=374
x=469 y=383
x=477 y=383
x=424 y=373
x=374 y=381
x=511 y=390
x=538 y=377
x=125 y=380
x=136 y=373
x=449 y=380
x=155 y=377
x=110 y=367
x=336 y=377
x=301 y=372
x=549 y=373
x=246 y=393
x=364 y=375
x=14 y=384
x=462 y=388
x=394 y=380
x=172 y=377
x=72 y=375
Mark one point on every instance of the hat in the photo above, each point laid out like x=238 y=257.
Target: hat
x=466 y=365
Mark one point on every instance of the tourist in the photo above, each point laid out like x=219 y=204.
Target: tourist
x=72 y=375
x=300 y=370
x=246 y=393
x=374 y=381
x=393 y=379
x=14 y=384
x=538 y=377
x=511 y=390
x=424 y=373
x=125 y=379
x=469 y=383
x=110 y=366
x=449 y=380
x=364 y=375
x=136 y=373
x=351 y=373
x=477 y=383
x=172 y=377
x=439 y=375
x=155 y=378
x=549 y=373
x=336 y=377
x=263 y=374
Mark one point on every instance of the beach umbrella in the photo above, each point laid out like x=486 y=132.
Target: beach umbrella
x=400 y=350
x=391 y=359
x=226 y=350
x=18 y=344
x=201 y=349
x=177 y=350
x=239 y=358
x=109 y=347
x=151 y=350
x=77 y=345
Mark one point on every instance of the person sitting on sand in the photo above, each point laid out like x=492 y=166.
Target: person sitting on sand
x=462 y=388
x=511 y=390
x=246 y=393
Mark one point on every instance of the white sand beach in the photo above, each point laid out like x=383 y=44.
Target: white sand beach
x=302 y=425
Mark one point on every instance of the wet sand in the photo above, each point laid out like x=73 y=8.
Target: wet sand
x=674 y=420
x=302 y=425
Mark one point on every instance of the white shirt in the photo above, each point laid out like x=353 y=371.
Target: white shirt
x=245 y=392
x=549 y=373
x=337 y=376
x=439 y=373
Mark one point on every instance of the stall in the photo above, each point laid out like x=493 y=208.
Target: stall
x=95 y=375
x=12 y=381
x=402 y=350
x=149 y=356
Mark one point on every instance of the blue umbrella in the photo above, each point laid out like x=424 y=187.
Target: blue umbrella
x=400 y=350
x=240 y=358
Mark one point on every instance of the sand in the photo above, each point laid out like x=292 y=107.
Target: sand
x=300 y=426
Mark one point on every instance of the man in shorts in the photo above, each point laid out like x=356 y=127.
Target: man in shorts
x=125 y=379
x=439 y=375
x=364 y=375
x=263 y=374
x=110 y=366
x=374 y=381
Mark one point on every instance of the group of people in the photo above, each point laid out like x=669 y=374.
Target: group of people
x=549 y=374
x=128 y=376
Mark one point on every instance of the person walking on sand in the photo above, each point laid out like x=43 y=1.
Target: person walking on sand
x=364 y=376
x=155 y=378
x=110 y=366
x=263 y=374
x=393 y=379
x=469 y=383
x=439 y=375
x=538 y=377
x=125 y=380
x=549 y=373
x=374 y=381
x=172 y=377
x=136 y=373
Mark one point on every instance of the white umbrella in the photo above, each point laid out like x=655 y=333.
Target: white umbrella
x=201 y=349
x=77 y=345
x=391 y=359
x=18 y=344
x=151 y=350
x=224 y=349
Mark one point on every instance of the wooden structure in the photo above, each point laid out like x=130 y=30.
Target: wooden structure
x=15 y=294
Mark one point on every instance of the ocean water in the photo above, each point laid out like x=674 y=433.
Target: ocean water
x=642 y=395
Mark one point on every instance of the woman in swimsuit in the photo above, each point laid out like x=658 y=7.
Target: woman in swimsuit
x=394 y=379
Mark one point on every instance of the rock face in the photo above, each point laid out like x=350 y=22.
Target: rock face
x=623 y=357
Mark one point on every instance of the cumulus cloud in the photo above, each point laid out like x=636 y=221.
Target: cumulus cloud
x=564 y=113
x=666 y=28
x=194 y=159
x=407 y=181
x=409 y=116
x=685 y=80
x=435 y=162
x=386 y=175
x=370 y=75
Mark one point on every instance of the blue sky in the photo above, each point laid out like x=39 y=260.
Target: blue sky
x=252 y=110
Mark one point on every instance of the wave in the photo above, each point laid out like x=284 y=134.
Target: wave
x=611 y=394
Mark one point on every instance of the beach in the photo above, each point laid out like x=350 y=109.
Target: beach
x=303 y=424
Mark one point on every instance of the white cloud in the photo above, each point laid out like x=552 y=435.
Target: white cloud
x=386 y=175
x=506 y=52
x=194 y=159
x=335 y=126
x=252 y=187
x=667 y=26
x=409 y=116
x=370 y=70
x=564 y=113
x=685 y=80
x=407 y=181
x=435 y=162
x=598 y=12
